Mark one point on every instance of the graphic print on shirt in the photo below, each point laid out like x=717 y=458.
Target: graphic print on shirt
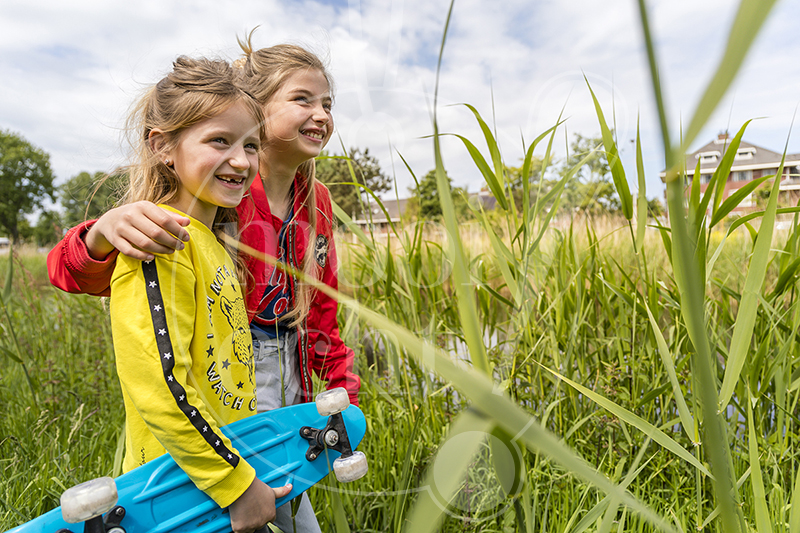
x=276 y=298
x=236 y=314
x=164 y=345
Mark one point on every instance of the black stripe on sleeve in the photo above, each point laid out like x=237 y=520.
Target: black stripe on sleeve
x=167 y=358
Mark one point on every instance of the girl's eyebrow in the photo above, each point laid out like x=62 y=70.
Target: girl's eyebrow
x=225 y=132
x=304 y=91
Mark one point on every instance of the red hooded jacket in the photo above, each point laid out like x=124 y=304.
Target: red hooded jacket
x=320 y=348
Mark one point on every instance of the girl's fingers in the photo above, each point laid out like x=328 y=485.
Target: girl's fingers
x=280 y=492
x=171 y=222
x=150 y=229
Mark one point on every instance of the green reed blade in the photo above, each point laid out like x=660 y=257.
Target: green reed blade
x=555 y=195
x=787 y=278
x=352 y=226
x=339 y=514
x=687 y=420
x=735 y=199
x=614 y=161
x=794 y=514
x=749 y=19
x=641 y=205
x=527 y=163
x=374 y=196
x=446 y=476
x=507 y=460
x=691 y=287
x=748 y=306
x=763 y=523
x=504 y=257
x=491 y=179
x=633 y=472
x=499 y=172
x=695 y=215
x=636 y=421
x=461 y=276
x=655 y=78
x=6 y=294
x=720 y=177
x=744 y=219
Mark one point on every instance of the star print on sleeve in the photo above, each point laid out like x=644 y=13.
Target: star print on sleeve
x=176 y=387
x=239 y=385
x=225 y=364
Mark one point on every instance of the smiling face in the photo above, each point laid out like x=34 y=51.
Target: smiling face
x=216 y=161
x=298 y=118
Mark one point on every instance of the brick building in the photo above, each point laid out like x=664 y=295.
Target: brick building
x=751 y=162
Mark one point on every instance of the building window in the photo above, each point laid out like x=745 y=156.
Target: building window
x=705 y=178
x=745 y=153
x=743 y=175
x=708 y=157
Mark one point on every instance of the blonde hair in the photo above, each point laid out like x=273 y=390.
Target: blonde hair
x=196 y=89
x=264 y=72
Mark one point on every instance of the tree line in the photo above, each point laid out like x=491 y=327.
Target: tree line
x=27 y=187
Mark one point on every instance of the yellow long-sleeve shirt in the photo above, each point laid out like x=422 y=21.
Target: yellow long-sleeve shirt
x=185 y=361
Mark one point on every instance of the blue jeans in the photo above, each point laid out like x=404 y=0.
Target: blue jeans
x=278 y=385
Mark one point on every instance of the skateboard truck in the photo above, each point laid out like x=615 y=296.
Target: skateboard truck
x=333 y=436
x=351 y=465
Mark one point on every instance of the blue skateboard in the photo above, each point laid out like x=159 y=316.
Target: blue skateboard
x=298 y=445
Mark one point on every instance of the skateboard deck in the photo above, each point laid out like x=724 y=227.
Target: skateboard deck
x=158 y=497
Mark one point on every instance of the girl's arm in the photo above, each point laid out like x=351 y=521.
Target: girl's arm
x=84 y=259
x=153 y=319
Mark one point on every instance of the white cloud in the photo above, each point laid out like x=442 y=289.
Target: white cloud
x=66 y=86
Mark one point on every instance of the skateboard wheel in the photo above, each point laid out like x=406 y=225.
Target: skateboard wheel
x=88 y=500
x=332 y=401
x=350 y=468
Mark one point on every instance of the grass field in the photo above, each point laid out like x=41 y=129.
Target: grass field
x=582 y=323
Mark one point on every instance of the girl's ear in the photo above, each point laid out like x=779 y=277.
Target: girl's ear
x=158 y=144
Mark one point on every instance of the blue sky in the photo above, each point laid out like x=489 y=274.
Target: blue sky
x=71 y=69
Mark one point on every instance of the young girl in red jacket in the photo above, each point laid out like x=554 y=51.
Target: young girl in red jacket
x=287 y=215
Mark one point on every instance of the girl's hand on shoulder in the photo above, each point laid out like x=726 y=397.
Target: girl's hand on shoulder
x=137 y=230
x=255 y=507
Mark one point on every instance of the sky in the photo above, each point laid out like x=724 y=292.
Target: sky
x=70 y=71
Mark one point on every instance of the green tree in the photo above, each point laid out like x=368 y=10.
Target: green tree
x=48 y=228
x=426 y=202
x=26 y=181
x=88 y=196
x=334 y=172
x=655 y=208
x=592 y=189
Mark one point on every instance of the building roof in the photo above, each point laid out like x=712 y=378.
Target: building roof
x=394 y=207
x=748 y=157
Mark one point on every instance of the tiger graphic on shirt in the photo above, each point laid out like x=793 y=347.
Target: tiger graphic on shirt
x=236 y=314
